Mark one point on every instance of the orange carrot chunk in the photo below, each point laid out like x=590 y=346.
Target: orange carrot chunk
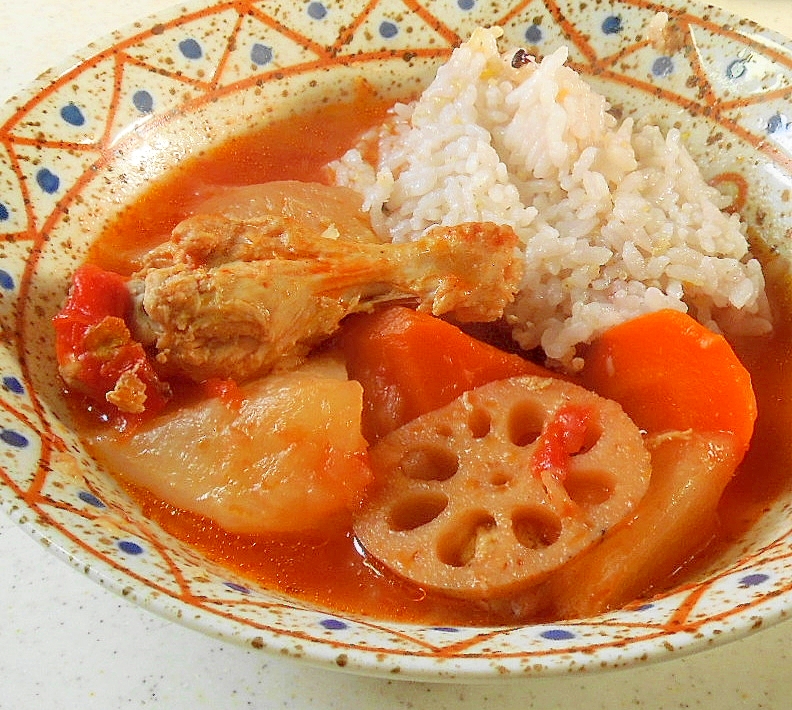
x=669 y=372
x=410 y=363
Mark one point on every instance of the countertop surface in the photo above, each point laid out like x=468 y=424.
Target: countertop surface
x=65 y=642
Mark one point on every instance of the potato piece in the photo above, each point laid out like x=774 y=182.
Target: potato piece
x=314 y=207
x=287 y=456
x=508 y=482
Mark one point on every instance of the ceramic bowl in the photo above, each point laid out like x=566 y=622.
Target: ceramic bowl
x=88 y=138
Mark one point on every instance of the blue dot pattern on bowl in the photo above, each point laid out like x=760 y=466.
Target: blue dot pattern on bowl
x=736 y=69
x=48 y=181
x=130 y=547
x=191 y=48
x=753 y=580
x=91 y=499
x=72 y=115
x=143 y=101
x=261 y=54
x=777 y=123
x=13 y=384
x=663 y=66
x=237 y=587
x=557 y=635
x=534 y=34
x=333 y=624
x=317 y=11
x=14 y=439
x=388 y=30
x=612 y=25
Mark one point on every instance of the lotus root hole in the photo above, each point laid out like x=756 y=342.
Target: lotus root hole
x=444 y=430
x=536 y=529
x=589 y=488
x=500 y=478
x=466 y=539
x=414 y=511
x=479 y=422
x=525 y=423
x=590 y=438
x=429 y=463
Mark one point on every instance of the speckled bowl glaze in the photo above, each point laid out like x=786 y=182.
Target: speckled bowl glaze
x=88 y=138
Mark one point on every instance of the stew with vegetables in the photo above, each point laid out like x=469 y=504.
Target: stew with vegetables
x=405 y=463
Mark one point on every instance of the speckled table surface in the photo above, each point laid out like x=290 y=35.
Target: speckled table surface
x=67 y=643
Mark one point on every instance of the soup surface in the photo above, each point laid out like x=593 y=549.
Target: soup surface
x=329 y=568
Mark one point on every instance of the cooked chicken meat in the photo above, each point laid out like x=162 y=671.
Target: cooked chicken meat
x=237 y=297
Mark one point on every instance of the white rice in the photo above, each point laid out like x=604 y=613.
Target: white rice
x=615 y=221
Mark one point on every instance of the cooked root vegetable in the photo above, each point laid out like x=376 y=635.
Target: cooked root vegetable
x=670 y=373
x=487 y=495
x=410 y=363
x=313 y=207
x=285 y=455
x=96 y=352
x=673 y=521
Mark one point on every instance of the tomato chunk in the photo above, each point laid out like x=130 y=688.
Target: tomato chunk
x=563 y=436
x=96 y=352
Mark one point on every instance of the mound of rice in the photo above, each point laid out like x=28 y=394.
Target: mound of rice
x=615 y=221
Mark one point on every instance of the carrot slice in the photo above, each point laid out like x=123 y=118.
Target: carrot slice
x=410 y=363
x=669 y=372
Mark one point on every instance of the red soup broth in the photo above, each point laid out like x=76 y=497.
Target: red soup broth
x=328 y=568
